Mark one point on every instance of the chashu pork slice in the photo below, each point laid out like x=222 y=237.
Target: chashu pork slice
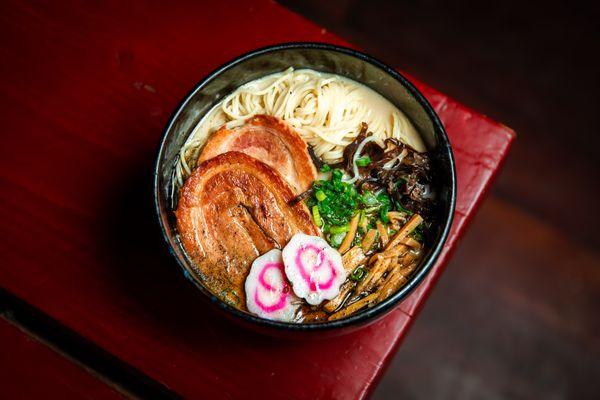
x=271 y=141
x=232 y=209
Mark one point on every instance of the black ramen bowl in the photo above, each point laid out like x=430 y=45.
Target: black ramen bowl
x=325 y=58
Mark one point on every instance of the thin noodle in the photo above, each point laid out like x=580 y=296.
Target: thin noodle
x=326 y=110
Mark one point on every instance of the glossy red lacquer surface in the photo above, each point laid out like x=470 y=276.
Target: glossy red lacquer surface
x=31 y=370
x=85 y=94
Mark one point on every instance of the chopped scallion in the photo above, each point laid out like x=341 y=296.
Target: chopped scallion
x=336 y=239
x=339 y=229
x=363 y=161
x=317 y=216
x=358 y=274
x=362 y=222
x=320 y=195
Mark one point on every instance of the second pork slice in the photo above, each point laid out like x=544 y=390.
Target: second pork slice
x=271 y=141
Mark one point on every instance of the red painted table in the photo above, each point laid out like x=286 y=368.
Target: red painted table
x=85 y=94
x=31 y=370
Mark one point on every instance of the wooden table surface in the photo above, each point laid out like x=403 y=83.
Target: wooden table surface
x=31 y=370
x=86 y=92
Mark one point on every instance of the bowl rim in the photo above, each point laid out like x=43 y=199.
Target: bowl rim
x=380 y=309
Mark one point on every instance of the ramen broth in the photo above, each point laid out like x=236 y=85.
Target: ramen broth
x=267 y=241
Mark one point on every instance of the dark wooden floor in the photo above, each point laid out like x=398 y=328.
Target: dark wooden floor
x=517 y=312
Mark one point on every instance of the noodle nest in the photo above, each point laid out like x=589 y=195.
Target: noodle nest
x=325 y=109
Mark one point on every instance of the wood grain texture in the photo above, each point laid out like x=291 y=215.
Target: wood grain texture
x=30 y=370
x=86 y=94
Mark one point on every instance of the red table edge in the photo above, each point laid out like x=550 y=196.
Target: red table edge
x=457 y=230
x=462 y=226
x=385 y=364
